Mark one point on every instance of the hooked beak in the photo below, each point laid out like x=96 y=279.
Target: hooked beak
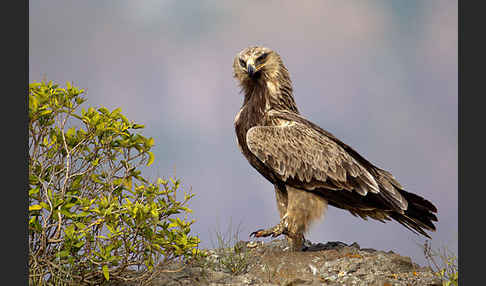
x=251 y=70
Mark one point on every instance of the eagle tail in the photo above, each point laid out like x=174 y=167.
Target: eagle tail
x=419 y=214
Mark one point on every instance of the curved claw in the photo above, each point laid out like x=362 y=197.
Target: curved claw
x=257 y=233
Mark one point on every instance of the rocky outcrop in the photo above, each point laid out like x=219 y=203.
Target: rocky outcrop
x=332 y=263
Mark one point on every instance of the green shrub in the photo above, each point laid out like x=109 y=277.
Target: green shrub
x=446 y=268
x=92 y=215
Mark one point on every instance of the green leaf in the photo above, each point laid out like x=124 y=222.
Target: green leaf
x=155 y=213
x=106 y=273
x=82 y=214
x=80 y=225
x=151 y=158
x=95 y=162
x=125 y=120
x=45 y=112
x=79 y=100
x=115 y=112
x=66 y=213
x=103 y=110
x=35 y=207
x=110 y=228
x=62 y=253
x=150 y=142
x=69 y=230
x=70 y=133
x=45 y=205
x=79 y=244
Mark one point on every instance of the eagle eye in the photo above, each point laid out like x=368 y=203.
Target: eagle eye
x=242 y=63
x=262 y=57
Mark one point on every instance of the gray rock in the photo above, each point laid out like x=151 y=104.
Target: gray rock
x=333 y=263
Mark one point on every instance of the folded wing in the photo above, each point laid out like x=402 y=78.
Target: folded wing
x=311 y=159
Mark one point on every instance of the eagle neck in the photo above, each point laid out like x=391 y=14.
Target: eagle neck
x=252 y=114
x=271 y=91
x=254 y=106
x=270 y=94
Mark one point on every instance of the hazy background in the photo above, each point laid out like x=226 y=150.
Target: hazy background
x=380 y=75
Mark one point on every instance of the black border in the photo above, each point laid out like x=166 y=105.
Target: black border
x=23 y=166
x=471 y=150
x=15 y=139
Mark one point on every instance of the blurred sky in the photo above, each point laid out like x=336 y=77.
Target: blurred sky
x=380 y=75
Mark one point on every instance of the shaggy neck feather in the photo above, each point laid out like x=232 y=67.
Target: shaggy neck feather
x=270 y=93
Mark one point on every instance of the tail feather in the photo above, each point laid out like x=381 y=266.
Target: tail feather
x=419 y=214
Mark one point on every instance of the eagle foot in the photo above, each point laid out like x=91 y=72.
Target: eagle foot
x=273 y=231
x=296 y=241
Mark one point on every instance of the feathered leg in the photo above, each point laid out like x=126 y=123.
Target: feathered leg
x=298 y=209
x=282 y=199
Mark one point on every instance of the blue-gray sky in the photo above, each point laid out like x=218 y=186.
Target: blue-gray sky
x=380 y=75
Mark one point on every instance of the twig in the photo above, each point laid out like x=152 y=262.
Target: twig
x=68 y=156
x=58 y=232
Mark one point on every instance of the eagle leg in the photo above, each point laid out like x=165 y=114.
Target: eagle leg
x=296 y=240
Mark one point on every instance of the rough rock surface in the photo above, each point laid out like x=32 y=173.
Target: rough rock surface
x=333 y=263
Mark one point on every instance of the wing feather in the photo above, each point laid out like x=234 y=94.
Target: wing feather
x=298 y=151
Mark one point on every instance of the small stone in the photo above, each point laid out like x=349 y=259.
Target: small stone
x=313 y=269
x=252 y=244
x=355 y=245
x=297 y=281
x=216 y=275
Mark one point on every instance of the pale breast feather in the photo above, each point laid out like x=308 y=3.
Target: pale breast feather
x=294 y=150
x=237 y=117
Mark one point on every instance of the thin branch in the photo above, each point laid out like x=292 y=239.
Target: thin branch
x=68 y=156
x=58 y=232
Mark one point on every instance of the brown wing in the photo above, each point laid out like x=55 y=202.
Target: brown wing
x=295 y=150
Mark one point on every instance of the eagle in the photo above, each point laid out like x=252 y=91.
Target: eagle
x=308 y=166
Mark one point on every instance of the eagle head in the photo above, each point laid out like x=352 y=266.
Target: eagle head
x=260 y=71
x=257 y=65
